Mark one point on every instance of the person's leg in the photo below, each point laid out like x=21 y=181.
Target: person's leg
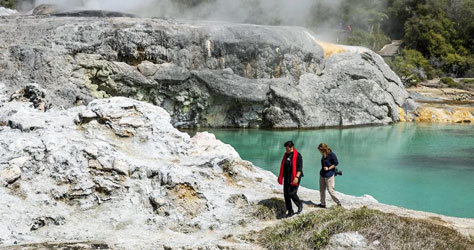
x=322 y=190
x=293 y=191
x=330 y=186
x=286 y=193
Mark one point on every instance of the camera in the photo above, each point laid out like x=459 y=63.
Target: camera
x=337 y=172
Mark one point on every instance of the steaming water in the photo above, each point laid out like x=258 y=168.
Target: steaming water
x=418 y=166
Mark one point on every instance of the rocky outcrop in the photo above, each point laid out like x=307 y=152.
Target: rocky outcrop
x=444 y=113
x=116 y=174
x=440 y=105
x=116 y=170
x=207 y=74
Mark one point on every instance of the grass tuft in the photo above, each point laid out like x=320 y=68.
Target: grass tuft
x=270 y=209
x=313 y=231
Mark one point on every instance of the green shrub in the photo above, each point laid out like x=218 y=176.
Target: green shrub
x=411 y=65
x=456 y=63
x=11 y=4
x=450 y=82
x=467 y=81
x=320 y=239
x=373 y=41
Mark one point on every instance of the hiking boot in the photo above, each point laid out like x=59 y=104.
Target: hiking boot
x=321 y=205
x=289 y=214
x=300 y=208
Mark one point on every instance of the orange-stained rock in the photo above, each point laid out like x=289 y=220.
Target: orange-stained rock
x=402 y=116
x=449 y=114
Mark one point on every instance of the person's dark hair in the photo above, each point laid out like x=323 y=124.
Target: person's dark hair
x=289 y=144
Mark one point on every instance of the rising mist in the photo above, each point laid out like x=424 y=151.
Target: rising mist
x=272 y=12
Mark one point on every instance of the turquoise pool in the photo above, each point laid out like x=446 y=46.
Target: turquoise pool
x=418 y=166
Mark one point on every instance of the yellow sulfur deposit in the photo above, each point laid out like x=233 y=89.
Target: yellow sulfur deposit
x=402 y=115
x=330 y=48
x=436 y=114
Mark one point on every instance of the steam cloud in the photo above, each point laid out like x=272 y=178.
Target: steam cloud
x=279 y=12
x=270 y=12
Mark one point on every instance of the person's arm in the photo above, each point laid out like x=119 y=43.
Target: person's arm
x=299 y=165
x=299 y=168
x=335 y=162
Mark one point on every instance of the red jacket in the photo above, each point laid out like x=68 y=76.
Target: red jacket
x=293 y=169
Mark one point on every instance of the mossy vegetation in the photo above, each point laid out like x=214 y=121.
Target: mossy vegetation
x=313 y=231
x=468 y=81
x=467 y=84
x=450 y=82
x=412 y=67
x=11 y=4
x=270 y=209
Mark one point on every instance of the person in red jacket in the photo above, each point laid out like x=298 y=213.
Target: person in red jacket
x=291 y=171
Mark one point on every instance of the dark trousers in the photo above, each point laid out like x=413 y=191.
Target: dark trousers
x=290 y=194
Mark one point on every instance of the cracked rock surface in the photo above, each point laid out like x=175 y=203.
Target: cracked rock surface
x=205 y=74
x=114 y=171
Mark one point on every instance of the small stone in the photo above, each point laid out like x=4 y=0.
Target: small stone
x=228 y=71
x=20 y=161
x=147 y=68
x=10 y=174
x=106 y=162
x=123 y=132
x=121 y=167
x=92 y=151
x=93 y=163
x=157 y=201
x=87 y=114
x=349 y=240
x=159 y=205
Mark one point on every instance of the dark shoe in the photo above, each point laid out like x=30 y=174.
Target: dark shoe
x=289 y=214
x=300 y=208
x=321 y=205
